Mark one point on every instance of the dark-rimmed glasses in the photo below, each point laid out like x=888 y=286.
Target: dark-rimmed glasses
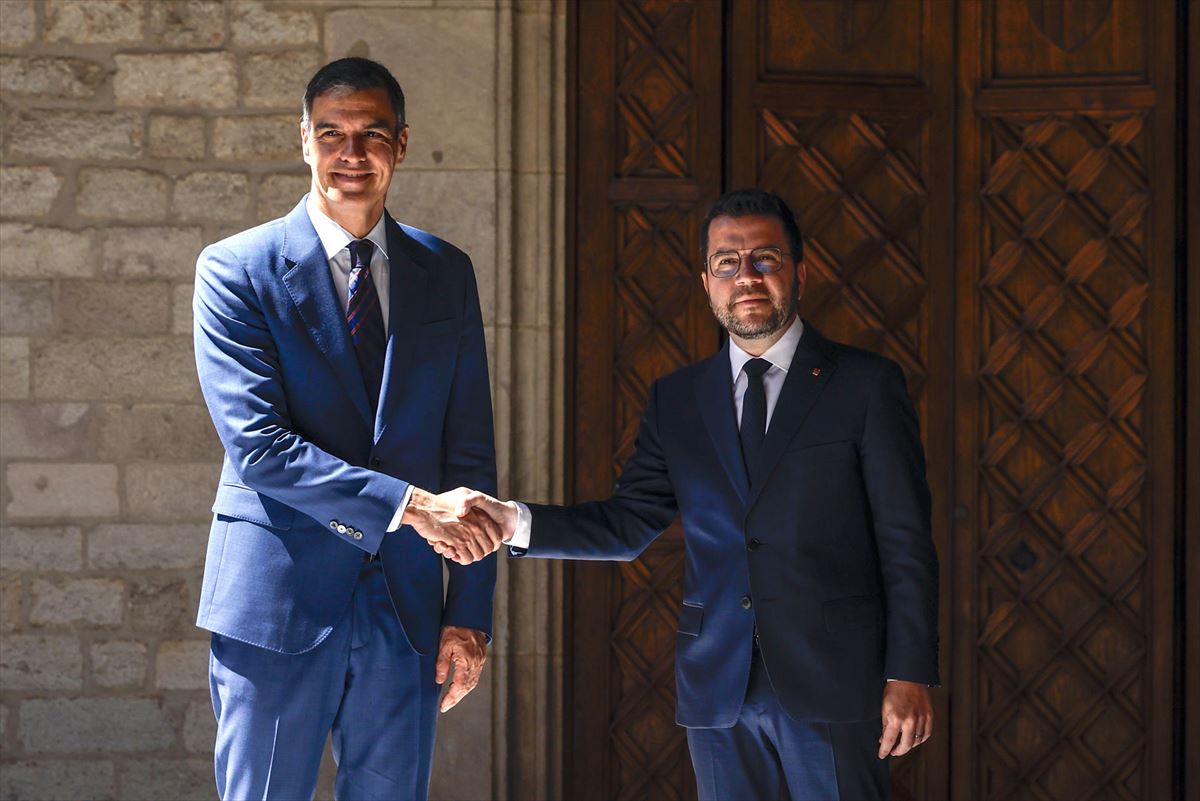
x=727 y=263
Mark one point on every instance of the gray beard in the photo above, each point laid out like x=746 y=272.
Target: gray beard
x=781 y=311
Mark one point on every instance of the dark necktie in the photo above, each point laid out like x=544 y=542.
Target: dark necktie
x=365 y=319
x=754 y=413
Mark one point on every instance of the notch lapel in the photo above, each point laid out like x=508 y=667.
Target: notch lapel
x=407 y=278
x=714 y=395
x=312 y=291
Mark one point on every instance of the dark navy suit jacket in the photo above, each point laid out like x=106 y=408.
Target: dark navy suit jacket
x=311 y=479
x=826 y=546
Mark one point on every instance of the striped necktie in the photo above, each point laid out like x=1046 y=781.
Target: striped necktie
x=365 y=319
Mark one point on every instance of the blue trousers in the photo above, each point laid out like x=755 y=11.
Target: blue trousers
x=768 y=755
x=363 y=682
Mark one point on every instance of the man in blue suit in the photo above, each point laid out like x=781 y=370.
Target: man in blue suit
x=341 y=355
x=808 y=632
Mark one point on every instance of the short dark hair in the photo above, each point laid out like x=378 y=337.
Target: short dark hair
x=754 y=202
x=354 y=75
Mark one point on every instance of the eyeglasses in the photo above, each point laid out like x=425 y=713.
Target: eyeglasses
x=727 y=263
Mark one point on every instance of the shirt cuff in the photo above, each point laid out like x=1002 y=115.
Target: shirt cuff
x=396 y=518
x=520 y=536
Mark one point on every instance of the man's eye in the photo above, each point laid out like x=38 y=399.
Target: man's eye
x=725 y=261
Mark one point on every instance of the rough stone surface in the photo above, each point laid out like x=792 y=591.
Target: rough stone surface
x=96 y=601
x=58 y=780
x=182 y=665
x=114 y=369
x=199 y=728
x=77 y=134
x=122 y=194
x=50 y=490
x=181 y=309
x=147 y=546
x=279 y=194
x=119 y=663
x=30 y=251
x=45 y=430
x=187 y=23
x=38 y=662
x=156 y=431
x=47 y=548
x=10 y=605
x=188 y=81
x=277 y=80
x=258 y=24
x=150 y=252
x=94 y=725
x=257 y=139
x=161 y=605
x=176 y=779
x=114 y=307
x=94 y=21
x=215 y=197
x=26 y=307
x=66 y=78
x=20 y=24
x=28 y=191
x=175 y=137
x=14 y=368
x=171 y=491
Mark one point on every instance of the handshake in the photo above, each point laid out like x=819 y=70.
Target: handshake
x=462 y=525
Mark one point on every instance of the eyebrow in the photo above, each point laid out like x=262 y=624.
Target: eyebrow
x=372 y=125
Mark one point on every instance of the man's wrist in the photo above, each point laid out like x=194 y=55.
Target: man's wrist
x=419 y=505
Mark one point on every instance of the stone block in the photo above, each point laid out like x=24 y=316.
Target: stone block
x=38 y=662
x=184 y=80
x=175 y=137
x=277 y=80
x=44 y=548
x=26 y=307
x=94 y=601
x=199 y=728
x=28 y=191
x=161 y=605
x=114 y=307
x=148 y=546
x=182 y=665
x=31 y=251
x=256 y=24
x=118 y=663
x=264 y=138
x=94 y=725
x=77 y=134
x=122 y=194
x=14 y=368
x=214 y=197
x=156 y=432
x=93 y=21
x=279 y=194
x=176 y=779
x=181 y=309
x=460 y=207
x=147 y=369
x=20 y=25
x=53 y=490
x=45 y=77
x=150 y=252
x=58 y=780
x=10 y=605
x=156 y=491
x=46 y=430
x=187 y=23
x=451 y=102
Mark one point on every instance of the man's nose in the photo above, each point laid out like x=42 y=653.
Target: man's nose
x=353 y=149
x=747 y=273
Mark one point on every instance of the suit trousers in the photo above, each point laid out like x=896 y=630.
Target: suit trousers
x=768 y=755
x=363 y=682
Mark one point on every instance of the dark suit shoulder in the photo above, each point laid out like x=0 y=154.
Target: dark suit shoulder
x=861 y=363
x=433 y=244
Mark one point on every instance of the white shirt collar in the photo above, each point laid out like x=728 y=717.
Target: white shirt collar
x=780 y=354
x=335 y=238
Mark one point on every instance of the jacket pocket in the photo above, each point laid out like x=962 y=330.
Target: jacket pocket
x=242 y=503
x=847 y=614
x=691 y=617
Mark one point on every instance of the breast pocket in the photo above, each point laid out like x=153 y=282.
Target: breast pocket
x=691 y=618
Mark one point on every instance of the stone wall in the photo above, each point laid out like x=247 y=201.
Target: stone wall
x=132 y=132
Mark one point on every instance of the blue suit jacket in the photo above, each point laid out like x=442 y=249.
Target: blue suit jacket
x=827 y=549
x=303 y=454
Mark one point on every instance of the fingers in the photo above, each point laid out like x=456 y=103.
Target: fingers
x=891 y=732
x=907 y=737
x=468 y=655
x=446 y=652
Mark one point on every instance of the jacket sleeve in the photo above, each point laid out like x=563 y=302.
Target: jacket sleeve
x=620 y=528
x=239 y=371
x=894 y=473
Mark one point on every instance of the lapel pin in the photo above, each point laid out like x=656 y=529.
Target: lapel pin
x=816 y=371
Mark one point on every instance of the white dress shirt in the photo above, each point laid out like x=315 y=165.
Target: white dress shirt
x=780 y=356
x=335 y=240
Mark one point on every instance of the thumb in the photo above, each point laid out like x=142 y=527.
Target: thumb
x=466 y=503
x=442 y=670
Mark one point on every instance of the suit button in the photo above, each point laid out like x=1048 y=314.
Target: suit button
x=342 y=529
x=333 y=524
x=357 y=534
x=746 y=602
x=376 y=461
x=754 y=543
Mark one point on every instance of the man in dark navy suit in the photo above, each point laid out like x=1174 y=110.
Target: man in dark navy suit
x=808 y=633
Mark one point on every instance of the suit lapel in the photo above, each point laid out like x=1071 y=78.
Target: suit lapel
x=714 y=396
x=407 y=280
x=811 y=369
x=311 y=287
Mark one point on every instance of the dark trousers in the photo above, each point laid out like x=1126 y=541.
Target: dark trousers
x=768 y=755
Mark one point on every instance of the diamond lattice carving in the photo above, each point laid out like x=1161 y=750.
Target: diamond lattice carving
x=1062 y=381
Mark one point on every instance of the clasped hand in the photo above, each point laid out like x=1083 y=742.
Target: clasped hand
x=462 y=525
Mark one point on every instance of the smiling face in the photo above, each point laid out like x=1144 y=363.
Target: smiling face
x=353 y=148
x=755 y=308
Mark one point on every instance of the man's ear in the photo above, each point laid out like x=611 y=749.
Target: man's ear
x=305 y=143
x=704 y=279
x=801 y=278
x=401 y=145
